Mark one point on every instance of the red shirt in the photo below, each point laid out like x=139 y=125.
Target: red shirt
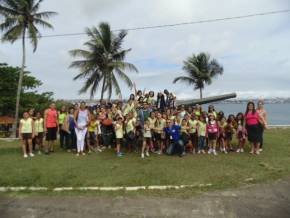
x=51 y=118
x=252 y=119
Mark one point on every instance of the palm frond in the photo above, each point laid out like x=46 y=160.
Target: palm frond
x=44 y=15
x=184 y=79
x=13 y=34
x=43 y=23
x=124 y=77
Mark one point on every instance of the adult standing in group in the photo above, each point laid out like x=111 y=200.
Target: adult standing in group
x=50 y=127
x=263 y=124
x=82 y=118
x=63 y=135
x=252 y=119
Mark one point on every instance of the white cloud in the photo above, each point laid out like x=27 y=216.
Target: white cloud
x=253 y=51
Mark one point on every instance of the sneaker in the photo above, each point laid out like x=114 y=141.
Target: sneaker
x=31 y=154
x=83 y=153
x=203 y=151
x=257 y=152
x=147 y=154
x=77 y=154
x=120 y=154
x=242 y=150
x=25 y=156
x=142 y=155
x=214 y=152
x=260 y=150
x=225 y=151
x=238 y=150
x=109 y=147
x=199 y=152
x=99 y=150
x=39 y=152
x=159 y=152
x=209 y=151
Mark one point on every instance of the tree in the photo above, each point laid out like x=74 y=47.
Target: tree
x=200 y=70
x=103 y=61
x=9 y=77
x=20 y=20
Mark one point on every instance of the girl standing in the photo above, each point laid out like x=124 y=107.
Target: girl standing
x=93 y=132
x=39 y=131
x=201 y=132
x=222 y=136
x=146 y=139
x=212 y=130
x=229 y=131
x=241 y=132
x=119 y=135
x=26 y=130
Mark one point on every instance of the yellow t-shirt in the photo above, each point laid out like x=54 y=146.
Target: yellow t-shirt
x=61 y=118
x=159 y=125
x=26 y=125
x=93 y=125
x=201 y=128
x=131 y=125
x=151 y=122
x=38 y=125
x=192 y=126
x=119 y=131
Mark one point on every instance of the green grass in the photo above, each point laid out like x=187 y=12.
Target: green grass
x=105 y=169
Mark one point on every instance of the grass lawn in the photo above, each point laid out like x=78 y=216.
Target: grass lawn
x=105 y=169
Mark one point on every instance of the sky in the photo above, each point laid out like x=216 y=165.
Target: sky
x=254 y=52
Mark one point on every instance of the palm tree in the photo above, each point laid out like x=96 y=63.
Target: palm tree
x=200 y=70
x=21 y=18
x=103 y=61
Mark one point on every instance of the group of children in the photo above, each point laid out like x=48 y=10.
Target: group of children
x=140 y=124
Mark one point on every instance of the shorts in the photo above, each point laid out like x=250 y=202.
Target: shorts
x=157 y=136
x=229 y=136
x=51 y=134
x=119 y=141
x=194 y=138
x=147 y=140
x=92 y=138
x=39 y=137
x=212 y=136
x=254 y=133
x=26 y=136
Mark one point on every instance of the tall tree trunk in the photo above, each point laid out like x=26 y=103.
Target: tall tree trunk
x=103 y=88
x=19 y=88
x=200 y=93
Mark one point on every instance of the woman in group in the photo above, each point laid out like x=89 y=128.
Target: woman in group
x=39 y=131
x=263 y=124
x=92 y=133
x=63 y=136
x=82 y=118
x=252 y=119
x=130 y=123
x=26 y=130
x=159 y=136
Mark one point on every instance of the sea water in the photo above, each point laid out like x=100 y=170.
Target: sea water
x=278 y=113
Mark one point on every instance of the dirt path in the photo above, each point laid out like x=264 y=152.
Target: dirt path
x=270 y=200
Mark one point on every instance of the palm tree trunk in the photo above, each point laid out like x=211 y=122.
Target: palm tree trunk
x=19 y=88
x=200 y=93
x=103 y=88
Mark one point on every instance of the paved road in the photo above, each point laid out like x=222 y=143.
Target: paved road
x=270 y=200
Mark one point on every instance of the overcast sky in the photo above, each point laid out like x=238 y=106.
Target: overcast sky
x=255 y=52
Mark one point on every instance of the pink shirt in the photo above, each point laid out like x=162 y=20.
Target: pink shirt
x=212 y=128
x=252 y=119
x=51 y=118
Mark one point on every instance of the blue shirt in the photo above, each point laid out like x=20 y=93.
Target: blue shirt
x=173 y=132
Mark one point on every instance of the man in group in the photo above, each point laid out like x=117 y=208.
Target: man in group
x=50 y=127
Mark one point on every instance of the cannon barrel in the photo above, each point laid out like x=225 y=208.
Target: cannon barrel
x=207 y=100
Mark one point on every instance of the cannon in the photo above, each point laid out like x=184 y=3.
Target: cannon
x=207 y=100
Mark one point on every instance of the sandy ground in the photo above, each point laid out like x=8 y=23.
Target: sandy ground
x=269 y=200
